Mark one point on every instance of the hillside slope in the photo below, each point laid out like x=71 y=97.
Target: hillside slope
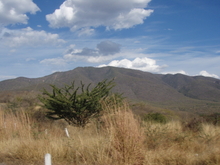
x=136 y=85
x=198 y=87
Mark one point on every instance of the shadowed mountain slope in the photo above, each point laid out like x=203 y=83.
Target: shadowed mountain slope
x=198 y=87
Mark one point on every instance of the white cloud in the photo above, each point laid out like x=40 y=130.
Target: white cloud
x=206 y=74
x=127 y=20
x=144 y=64
x=30 y=59
x=90 y=59
x=136 y=42
x=98 y=59
x=176 y=72
x=13 y=50
x=86 y=32
x=28 y=37
x=114 y=14
x=13 y=11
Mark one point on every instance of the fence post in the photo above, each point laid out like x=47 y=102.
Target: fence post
x=48 y=159
x=67 y=133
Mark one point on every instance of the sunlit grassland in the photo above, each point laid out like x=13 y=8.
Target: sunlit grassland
x=118 y=138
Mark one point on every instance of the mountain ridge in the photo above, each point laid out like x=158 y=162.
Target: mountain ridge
x=136 y=85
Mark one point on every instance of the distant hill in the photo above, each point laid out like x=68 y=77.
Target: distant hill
x=134 y=84
x=198 y=87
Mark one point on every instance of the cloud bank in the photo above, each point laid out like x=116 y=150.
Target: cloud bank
x=83 y=16
x=103 y=51
x=107 y=51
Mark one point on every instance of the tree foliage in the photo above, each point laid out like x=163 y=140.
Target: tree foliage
x=76 y=105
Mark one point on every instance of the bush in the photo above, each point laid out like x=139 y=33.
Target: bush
x=212 y=118
x=194 y=125
x=155 y=117
x=77 y=108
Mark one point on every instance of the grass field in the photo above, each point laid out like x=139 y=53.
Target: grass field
x=119 y=138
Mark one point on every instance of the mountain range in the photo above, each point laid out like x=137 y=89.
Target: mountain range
x=165 y=90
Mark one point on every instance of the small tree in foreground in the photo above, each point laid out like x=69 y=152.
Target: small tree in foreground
x=76 y=105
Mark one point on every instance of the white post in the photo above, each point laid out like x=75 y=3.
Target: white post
x=67 y=133
x=48 y=159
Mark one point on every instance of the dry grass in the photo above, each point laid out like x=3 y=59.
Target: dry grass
x=121 y=138
x=126 y=136
x=169 y=144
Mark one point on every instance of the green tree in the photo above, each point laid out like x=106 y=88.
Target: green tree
x=76 y=105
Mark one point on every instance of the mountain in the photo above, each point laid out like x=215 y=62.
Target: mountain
x=134 y=84
x=198 y=87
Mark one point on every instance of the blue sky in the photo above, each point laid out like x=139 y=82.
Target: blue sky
x=38 y=37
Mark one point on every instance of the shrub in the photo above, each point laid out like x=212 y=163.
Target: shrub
x=212 y=118
x=194 y=125
x=77 y=108
x=155 y=117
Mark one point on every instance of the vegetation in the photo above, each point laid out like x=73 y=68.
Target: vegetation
x=120 y=138
x=155 y=117
x=212 y=118
x=74 y=106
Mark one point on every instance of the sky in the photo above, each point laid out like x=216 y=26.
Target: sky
x=40 y=37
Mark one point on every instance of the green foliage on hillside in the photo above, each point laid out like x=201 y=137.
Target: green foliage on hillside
x=76 y=105
x=155 y=117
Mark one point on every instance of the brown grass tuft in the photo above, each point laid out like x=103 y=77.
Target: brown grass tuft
x=126 y=136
